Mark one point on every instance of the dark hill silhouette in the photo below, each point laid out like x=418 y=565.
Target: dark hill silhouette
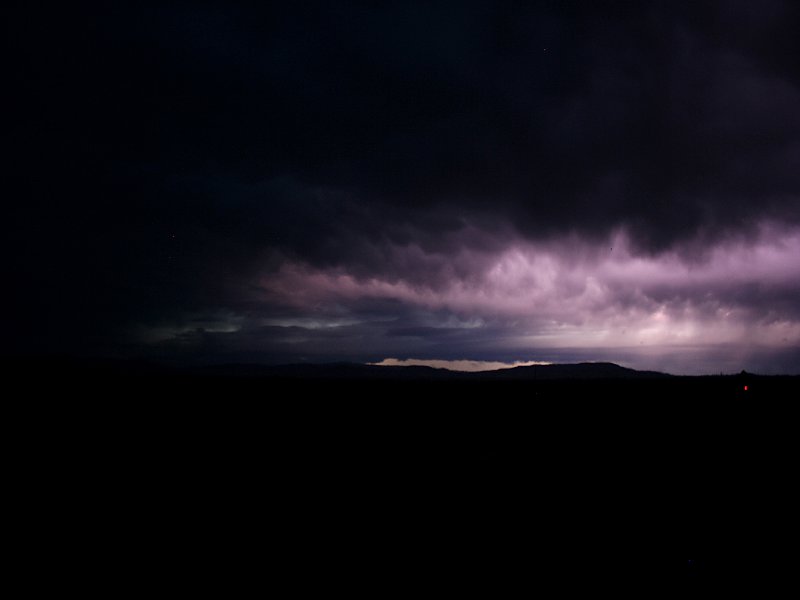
x=579 y=371
x=355 y=371
x=323 y=371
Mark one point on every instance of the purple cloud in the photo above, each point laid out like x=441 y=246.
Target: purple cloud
x=568 y=293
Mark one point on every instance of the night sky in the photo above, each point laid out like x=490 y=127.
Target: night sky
x=206 y=182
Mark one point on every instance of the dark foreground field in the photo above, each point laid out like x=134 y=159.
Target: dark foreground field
x=134 y=477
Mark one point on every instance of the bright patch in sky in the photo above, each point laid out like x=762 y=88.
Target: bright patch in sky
x=456 y=365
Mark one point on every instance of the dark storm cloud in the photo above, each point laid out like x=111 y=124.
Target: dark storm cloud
x=174 y=161
x=564 y=112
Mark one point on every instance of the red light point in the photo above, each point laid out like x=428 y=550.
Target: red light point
x=745 y=388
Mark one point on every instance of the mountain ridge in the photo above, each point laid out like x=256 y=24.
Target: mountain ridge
x=553 y=372
x=581 y=370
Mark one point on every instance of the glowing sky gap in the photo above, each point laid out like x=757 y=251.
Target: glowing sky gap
x=457 y=365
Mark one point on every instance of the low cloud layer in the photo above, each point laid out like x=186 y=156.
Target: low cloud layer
x=560 y=300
